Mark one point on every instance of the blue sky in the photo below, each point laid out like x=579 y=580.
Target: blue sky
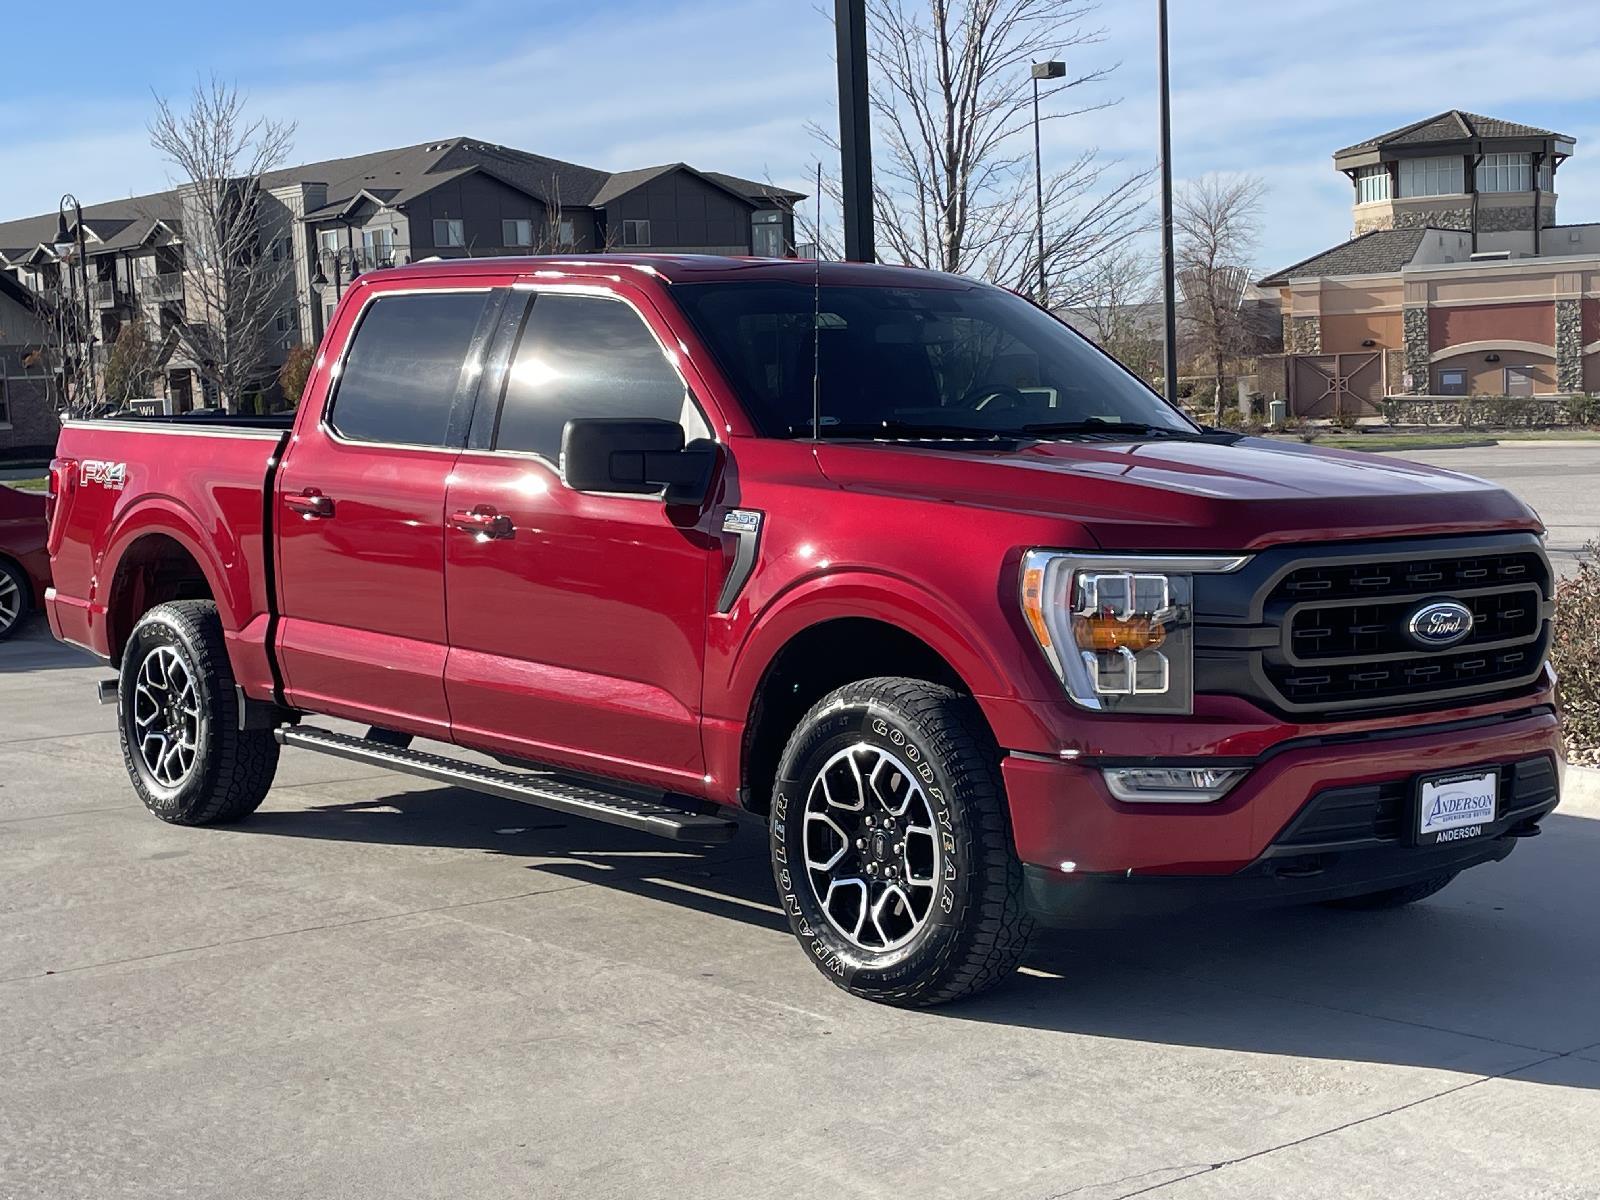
x=1267 y=86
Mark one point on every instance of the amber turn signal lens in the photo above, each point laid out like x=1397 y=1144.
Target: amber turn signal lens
x=1102 y=633
x=1033 y=604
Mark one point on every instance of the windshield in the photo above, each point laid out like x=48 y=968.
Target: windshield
x=906 y=362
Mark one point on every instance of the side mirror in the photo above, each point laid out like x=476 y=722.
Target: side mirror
x=635 y=456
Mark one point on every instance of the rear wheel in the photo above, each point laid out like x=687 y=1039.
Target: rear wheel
x=16 y=598
x=891 y=847
x=178 y=716
x=1397 y=897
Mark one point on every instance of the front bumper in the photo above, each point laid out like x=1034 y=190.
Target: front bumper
x=1260 y=837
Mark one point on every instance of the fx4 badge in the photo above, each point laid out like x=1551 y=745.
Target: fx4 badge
x=111 y=475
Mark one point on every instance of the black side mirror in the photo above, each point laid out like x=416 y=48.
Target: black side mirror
x=636 y=456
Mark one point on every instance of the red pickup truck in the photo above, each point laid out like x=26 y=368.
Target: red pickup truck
x=982 y=628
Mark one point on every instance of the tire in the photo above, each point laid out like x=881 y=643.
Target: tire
x=176 y=690
x=958 y=925
x=1397 y=897
x=16 y=598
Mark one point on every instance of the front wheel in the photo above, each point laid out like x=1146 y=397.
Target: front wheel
x=891 y=848
x=178 y=715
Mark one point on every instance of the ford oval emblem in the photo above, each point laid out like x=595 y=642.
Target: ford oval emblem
x=1439 y=624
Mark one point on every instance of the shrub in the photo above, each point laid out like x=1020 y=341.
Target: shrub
x=293 y=374
x=1575 y=654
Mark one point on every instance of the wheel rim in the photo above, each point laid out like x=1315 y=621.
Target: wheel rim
x=166 y=717
x=872 y=848
x=10 y=601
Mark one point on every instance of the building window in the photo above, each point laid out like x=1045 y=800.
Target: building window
x=516 y=233
x=1432 y=177
x=1519 y=381
x=1511 y=173
x=378 y=245
x=566 y=233
x=5 y=406
x=284 y=321
x=449 y=232
x=1372 y=184
x=766 y=235
x=636 y=233
x=1453 y=383
x=328 y=241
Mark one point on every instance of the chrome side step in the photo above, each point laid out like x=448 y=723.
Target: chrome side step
x=574 y=799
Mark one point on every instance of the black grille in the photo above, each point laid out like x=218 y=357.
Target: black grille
x=1379 y=811
x=1343 y=624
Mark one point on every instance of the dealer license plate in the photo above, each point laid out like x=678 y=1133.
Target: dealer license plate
x=1453 y=808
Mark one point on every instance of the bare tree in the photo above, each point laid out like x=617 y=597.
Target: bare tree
x=1119 y=309
x=1216 y=220
x=234 y=287
x=952 y=104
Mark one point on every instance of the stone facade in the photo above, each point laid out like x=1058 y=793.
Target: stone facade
x=1435 y=218
x=1418 y=352
x=1569 y=345
x=1394 y=370
x=1513 y=220
x=1306 y=336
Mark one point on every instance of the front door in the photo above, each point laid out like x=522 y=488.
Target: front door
x=361 y=502
x=576 y=621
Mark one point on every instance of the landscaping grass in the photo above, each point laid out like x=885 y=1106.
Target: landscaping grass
x=27 y=485
x=1443 y=441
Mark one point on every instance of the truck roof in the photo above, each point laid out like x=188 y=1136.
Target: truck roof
x=691 y=268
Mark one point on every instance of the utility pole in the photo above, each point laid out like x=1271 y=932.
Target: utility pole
x=1041 y=70
x=1169 y=285
x=855 y=129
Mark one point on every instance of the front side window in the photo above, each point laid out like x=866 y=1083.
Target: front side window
x=586 y=356
x=636 y=233
x=908 y=362
x=399 y=378
x=516 y=233
x=451 y=232
x=1432 y=176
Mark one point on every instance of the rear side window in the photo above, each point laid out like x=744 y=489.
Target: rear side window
x=399 y=379
x=585 y=356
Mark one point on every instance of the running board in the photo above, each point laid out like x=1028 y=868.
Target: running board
x=578 y=800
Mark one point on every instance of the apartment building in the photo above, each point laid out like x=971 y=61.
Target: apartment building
x=1457 y=278
x=327 y=222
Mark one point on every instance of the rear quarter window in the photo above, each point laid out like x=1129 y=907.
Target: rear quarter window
x=401 y=375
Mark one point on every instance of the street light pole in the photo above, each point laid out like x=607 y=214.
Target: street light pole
x=1169 y=285
x=855 y=130
x=1041 y=70
x=65 y=241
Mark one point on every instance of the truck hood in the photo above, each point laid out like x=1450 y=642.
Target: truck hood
x=1188 y=495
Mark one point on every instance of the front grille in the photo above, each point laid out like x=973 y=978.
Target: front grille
x=1380 y=811
x=1330 y=625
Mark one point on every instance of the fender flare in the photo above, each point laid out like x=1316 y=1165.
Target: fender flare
x=859 y=593
x=164 y=516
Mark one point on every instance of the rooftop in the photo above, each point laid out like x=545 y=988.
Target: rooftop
x=1375 y=253
x=1453 y=125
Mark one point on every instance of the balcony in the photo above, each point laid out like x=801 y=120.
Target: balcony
x=107 y=293
x=164 y=287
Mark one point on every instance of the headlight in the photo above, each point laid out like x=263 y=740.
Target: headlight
x=1118 y=631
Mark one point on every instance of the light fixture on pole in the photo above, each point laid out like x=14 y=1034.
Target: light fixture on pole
x=68 y=240
x=1169 y=281
x=1041 y=70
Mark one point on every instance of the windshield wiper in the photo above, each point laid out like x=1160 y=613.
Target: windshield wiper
x=903 y=430
x=1095 y=425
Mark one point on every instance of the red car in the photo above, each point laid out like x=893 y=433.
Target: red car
x=893 y=561
x=24 y=562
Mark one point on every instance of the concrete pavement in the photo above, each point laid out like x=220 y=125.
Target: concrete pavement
x=1560 y=479
x=378 y=987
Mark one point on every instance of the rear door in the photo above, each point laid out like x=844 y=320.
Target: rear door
x=576 y=621
x=361 y=498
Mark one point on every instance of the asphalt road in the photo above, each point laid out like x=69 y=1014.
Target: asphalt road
x=1560 y=479
x=381 y=988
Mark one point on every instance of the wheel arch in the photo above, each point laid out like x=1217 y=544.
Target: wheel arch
x=158 y=556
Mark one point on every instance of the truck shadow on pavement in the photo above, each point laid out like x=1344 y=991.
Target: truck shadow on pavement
x=1501 y=972
x=32 y=648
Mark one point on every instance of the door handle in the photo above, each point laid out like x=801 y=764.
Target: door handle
x=310 y=504
x=482 y=521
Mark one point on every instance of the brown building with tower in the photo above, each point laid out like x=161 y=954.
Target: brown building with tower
x=1457 y=279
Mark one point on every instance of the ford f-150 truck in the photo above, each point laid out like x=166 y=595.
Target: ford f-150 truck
x=981 y=627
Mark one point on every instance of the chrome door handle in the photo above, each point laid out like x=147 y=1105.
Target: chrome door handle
x=482 y=521
x=310 y=504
